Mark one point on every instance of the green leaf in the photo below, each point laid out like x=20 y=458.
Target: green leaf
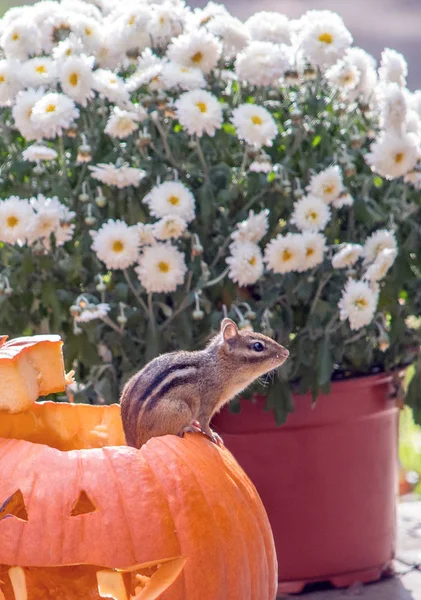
x=325 y=367
x=229 y=128
x=378 y=181
x=316 y=140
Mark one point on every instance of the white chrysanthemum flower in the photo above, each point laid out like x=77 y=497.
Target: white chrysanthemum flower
x=171 y=198
x=382 y=239
x=414 y=102
x=262 y=164
x=366 y=66
x=393 y=156
x=116 y=244
x=93 y=312
x=262 y=63
x=344 y=75
x=198 y=49
x=22 y=113
x=314 y=250
x=199 y=112
x=324 y=39
x=76 y=79
x=132 y=22
x=38 y=152
x=310 y=214
x=110 y=86
x=111 y=54
x=269 y=27
x=90 y=32
x=245 y=263
x=203 y=16
x=180 y=76
x=146 y=234
x=285 y=253
x=393 y=67
x=347 y=256
x=53 y=113
x=15 y=216
x=48 y=212
x=9 y=81
x=254 y=124
x=166 y=22
x=66 y=229
x=384 y=260
x=358 y=304
x=232 y=32
x=121 y=123
x=413 y=123
x=393 y=108
x=121 y=177
x=149 y=69
x=344 y=199
x=71 y=46
x=161 y=268
x=169 y=227
x=327 y=184
x=253 y=229
x=38 y=71
x=19 y=39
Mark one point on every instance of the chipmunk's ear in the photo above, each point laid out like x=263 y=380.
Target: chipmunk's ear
x=228 y=329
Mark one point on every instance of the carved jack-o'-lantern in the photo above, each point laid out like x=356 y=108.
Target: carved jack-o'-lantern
x=82 y=516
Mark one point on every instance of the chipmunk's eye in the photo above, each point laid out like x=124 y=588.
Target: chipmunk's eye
x=258 y=347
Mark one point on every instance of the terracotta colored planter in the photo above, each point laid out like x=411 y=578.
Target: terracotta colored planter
x=328 y=480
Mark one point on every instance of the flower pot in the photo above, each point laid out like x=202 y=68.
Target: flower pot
x=328 y=480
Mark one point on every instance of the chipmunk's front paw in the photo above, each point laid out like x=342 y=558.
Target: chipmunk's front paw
x=194 y=427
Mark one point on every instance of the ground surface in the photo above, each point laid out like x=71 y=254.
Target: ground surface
x=407 y=583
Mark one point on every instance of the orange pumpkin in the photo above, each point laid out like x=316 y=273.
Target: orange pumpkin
x=82 y=516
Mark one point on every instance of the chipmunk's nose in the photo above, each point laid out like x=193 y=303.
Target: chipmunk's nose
x=284 y=353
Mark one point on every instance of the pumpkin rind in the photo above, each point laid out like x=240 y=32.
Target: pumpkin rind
x=180 y=497
x=30 y=367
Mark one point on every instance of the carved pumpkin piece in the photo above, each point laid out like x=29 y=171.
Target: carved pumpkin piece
x=29 y=367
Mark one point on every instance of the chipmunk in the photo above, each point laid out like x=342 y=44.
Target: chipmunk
x=181 y=391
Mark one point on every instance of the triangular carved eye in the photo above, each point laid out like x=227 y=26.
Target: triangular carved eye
x=83 y=505
x=14 y=506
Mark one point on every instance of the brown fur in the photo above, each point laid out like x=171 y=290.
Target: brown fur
x=175 y=389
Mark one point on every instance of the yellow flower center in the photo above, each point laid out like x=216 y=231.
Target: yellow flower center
x=184 y=70
x=74 y=79
x=112 y=81
x=51 y=108
x=286 y=255
x=309 y=251
x=399 y=157
x=88 y=31
x=252 y=261
x=163 y=266
x=312 y=215
x=12 y=221
x=40 y=69
x=329 y=189
x=174 y=200
x=15 y=37
x=326 y=38
x=256 y=120
x=69 y=52
x=202 y=107
x=118 y=246
x=197 y=58
x=132 y=20
x=361 y=303
x=2 y=78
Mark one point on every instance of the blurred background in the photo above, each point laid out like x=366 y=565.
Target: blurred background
x=375 y=24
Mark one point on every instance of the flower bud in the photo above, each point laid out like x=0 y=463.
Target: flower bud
x=121 y=320
x=245 y=324
x=83 y=197
x=90 y=220
x=75 y=310
x=198 y=314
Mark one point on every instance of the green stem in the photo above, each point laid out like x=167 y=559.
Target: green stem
x=135 y=291
x=151 y=314
x=202 y=160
